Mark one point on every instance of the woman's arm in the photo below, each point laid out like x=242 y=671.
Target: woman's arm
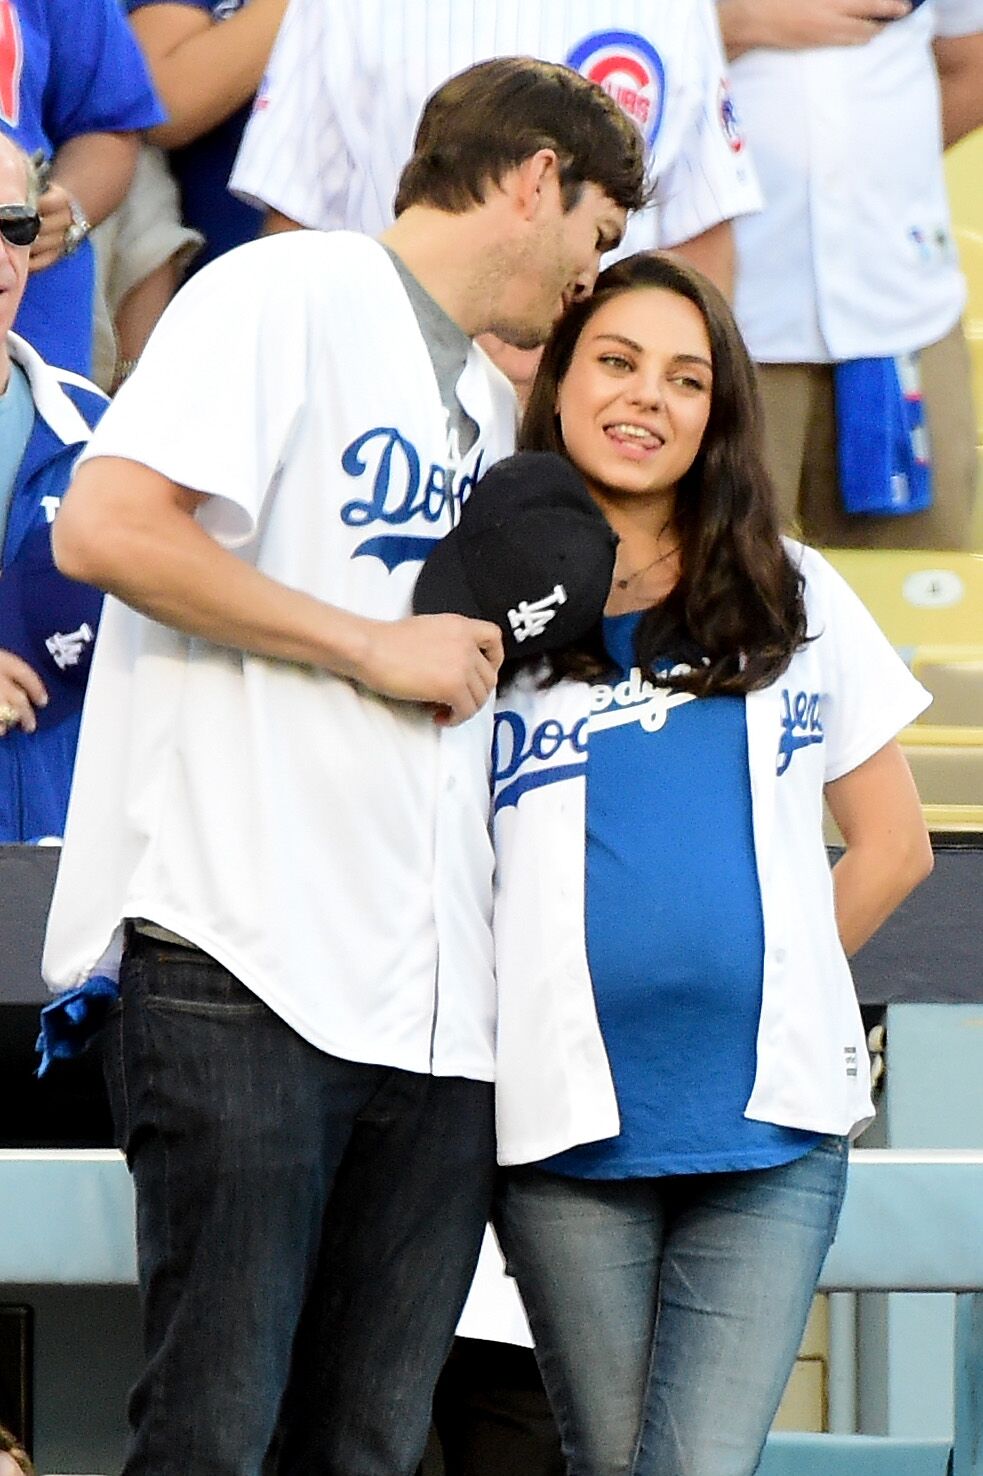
x=792 y=24
x=888 y=851
x=204 y=69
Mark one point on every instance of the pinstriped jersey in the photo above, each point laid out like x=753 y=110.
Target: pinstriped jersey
x=334 y=119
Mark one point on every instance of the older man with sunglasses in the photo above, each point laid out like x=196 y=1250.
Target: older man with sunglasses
x=47 y=622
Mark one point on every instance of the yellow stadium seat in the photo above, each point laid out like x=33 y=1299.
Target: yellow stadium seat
x=954 y=676
x=918 y=598
x=947 y=763
x=954 y=818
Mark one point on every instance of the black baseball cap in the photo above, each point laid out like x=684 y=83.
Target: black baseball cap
x=533 y=553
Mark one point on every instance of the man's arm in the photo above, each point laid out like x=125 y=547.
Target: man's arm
x=204 y=70
x=959 y=60
x=793 y=24
x=712 y=253
x=132 y=532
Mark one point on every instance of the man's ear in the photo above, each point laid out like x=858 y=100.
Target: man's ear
x=530 y=182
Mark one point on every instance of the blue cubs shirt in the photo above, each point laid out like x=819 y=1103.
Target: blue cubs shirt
x=674 y=930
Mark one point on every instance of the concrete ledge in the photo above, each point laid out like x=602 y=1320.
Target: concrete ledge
x=911 y=1221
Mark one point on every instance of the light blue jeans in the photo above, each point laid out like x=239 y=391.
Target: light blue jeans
x=667 y=1313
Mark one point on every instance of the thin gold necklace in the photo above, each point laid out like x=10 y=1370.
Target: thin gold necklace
x=623 y=583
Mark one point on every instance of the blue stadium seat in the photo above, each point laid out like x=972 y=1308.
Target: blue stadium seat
x=853 y=1455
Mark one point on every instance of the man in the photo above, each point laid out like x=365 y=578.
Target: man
x=334 y=117
x=848 y=105
x=47 y=623
x=73 y=87
x=283 y=782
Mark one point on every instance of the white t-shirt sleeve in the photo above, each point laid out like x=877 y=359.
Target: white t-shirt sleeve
x=293 y=157
x=870 y=693
x=219 y=386
x=957 y=17
x=712 y=177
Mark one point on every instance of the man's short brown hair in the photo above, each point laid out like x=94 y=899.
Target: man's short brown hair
x=490 y=118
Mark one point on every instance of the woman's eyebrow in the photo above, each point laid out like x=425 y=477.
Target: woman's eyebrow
x=637 y=347
x=620 y=338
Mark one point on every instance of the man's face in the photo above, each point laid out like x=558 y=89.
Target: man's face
x=13 y=259
x=556 y=261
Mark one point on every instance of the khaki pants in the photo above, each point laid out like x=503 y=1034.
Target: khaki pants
x=800 y=442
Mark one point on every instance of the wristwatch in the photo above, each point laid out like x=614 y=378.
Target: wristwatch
x=76 y=233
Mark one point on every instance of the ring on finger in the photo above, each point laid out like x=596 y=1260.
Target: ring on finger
x=9 y=716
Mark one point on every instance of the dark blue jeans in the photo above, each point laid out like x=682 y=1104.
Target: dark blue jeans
x=307 y=1230
x=667 y=1312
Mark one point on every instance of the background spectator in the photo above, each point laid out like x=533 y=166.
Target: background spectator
x=207 y=58
x=142 y=253
x=853 y=257
x=47 y=622
x=74 y=86
x=334 y=121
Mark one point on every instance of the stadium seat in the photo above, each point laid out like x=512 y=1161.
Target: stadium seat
x=918 y=598
x=853 y=1455
x=954 y=676
x=947 y=763
x=954 y=819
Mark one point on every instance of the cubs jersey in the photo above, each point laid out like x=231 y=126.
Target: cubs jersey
x=854 y=255
x=334 y=120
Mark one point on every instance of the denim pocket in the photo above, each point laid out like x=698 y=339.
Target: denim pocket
x=187 y=981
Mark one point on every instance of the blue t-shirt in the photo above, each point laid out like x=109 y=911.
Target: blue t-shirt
x=68 y=67
x=16 y=420
x=202 y=167
x=675 y=938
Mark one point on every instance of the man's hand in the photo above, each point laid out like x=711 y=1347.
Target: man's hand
x=21 y=691
x=446 y=660
x=54 y=207
x=793 y=24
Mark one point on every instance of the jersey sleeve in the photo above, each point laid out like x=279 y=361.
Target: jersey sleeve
x=958 y=17
x=712 y=177
x=219 y=386
x=870 y=693
x=98 y=81
x=293 y=156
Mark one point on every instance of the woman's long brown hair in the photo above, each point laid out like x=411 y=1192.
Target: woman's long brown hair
x=737 y=612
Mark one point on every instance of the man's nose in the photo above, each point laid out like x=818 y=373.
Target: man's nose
x=583 y=284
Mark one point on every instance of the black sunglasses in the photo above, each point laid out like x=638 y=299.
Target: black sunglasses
x=19 y=224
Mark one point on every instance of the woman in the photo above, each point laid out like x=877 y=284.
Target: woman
x=681 y=1053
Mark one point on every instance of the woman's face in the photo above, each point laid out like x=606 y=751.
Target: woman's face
x=635 y=400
